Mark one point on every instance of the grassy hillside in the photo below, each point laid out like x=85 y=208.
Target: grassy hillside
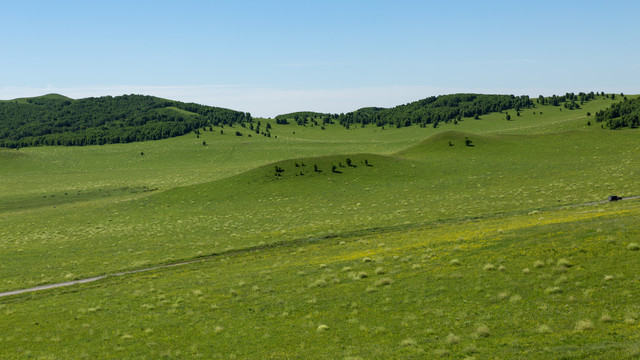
x=547 y=285
x=426 y=183
x=42 y=175
x=329 y=243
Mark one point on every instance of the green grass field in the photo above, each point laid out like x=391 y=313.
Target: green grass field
x=422 y=248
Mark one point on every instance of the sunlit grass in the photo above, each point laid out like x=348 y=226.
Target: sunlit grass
x=423 y=250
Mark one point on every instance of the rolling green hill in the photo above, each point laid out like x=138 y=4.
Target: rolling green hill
x=441 y=109
x=28 y=100
x=327 y=242
x=427 y=183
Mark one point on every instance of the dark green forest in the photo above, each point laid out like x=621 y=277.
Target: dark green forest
x=434 y=110
x=620 y=115
x=56 y=120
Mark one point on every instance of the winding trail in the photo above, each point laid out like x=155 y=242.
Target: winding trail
x=182 y=263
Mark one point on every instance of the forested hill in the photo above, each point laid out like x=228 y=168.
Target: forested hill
x=58 y=120
x=622 y=114
x=444 y=108
x=433 y=110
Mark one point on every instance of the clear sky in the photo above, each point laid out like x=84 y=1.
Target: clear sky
x=272 y=57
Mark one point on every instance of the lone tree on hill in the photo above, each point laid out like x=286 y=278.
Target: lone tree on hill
x=468 y=142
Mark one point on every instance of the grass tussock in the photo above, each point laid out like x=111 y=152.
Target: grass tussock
x=584 y=325
x=482 y=331
x=605 y=318
x=452 y=339
x=383 y=282
x=543 y=329
x=489 y=267
x=408 y=342
x=553 y=290
x=564 y=263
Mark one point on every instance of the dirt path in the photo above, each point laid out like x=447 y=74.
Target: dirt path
x=604 y=201
x=96 y=278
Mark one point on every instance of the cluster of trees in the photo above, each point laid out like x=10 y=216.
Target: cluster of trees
x=622 y=114
x=570 y=100
x=300 y=118
x=432 y=110
x=258 y=130
x=104 y=120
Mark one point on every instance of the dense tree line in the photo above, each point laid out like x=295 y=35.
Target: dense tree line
x=300 y=117
x=104 y=120
x=622 y=114
x=445 y=108
x=570 y=100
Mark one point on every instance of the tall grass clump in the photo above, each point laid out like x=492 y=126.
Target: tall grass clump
x=584 y=325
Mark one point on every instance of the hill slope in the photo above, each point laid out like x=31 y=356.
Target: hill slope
x=438 y=250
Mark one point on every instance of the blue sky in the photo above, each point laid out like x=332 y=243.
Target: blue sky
x=272 y=57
